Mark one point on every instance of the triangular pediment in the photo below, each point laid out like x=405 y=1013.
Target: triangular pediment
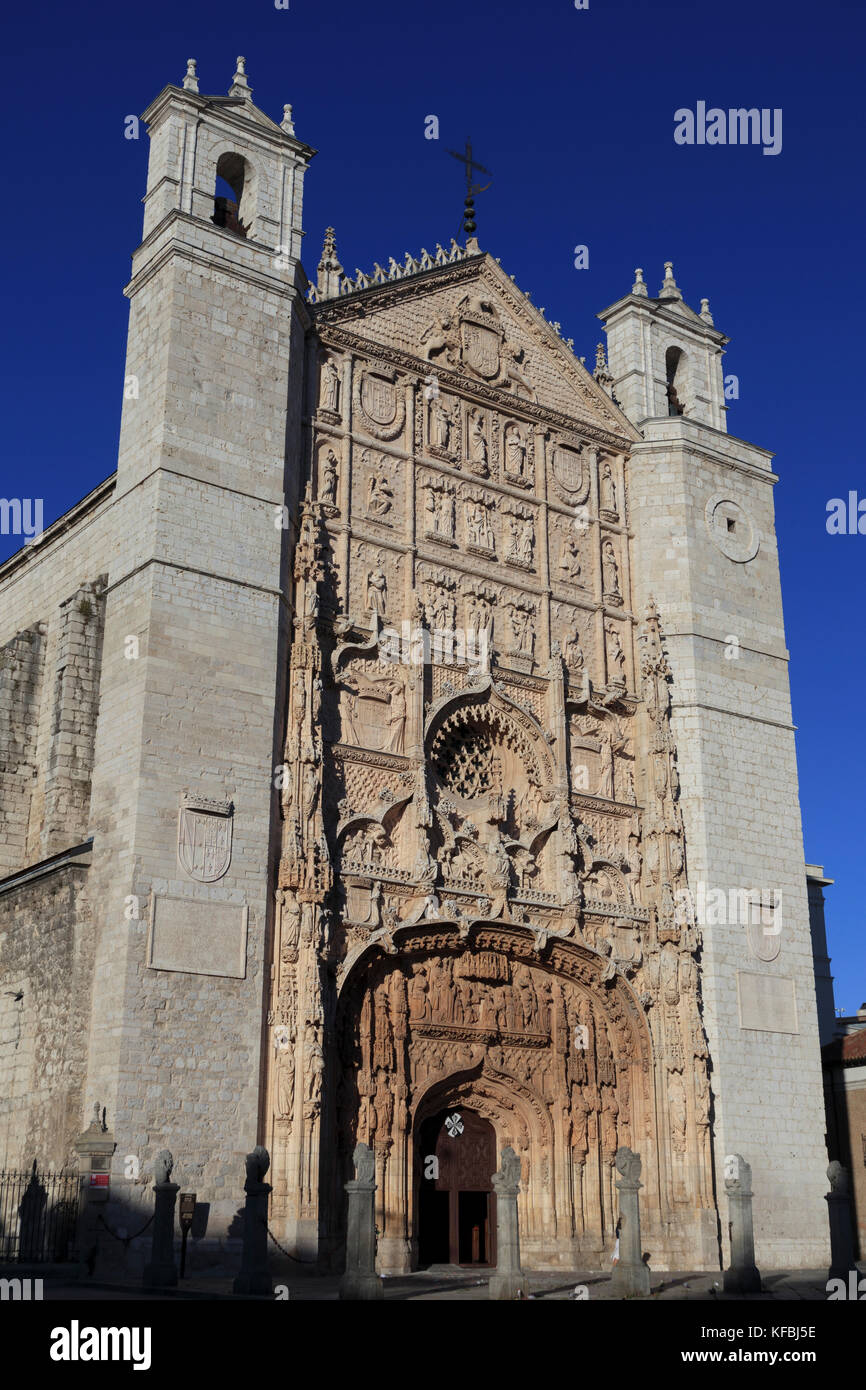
x=467 y=322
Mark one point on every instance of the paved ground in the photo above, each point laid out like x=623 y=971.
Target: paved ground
x=786 y=1286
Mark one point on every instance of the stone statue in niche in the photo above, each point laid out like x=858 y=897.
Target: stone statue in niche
x=328 y=488
x=377 y=589
x=331 y=387
x=607 y=491
x=572 y=652
x=515 y=452
x=396 y=717
x=477 y=443
x=314 y=1069
x=677 y=1101
x=285 y=1086
x=380 y=495
x=610 y=570
x=615 y=656
x=440 y=424
x=609 y=1116
x=569 y=558
x=522 y=630
x=478 y=528
x=606 y=774
x=526 y=542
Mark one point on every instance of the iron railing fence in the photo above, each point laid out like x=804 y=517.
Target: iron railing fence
x=38 y=1216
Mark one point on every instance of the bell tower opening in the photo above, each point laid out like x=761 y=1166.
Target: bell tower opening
x=231 y=206
x=676 y=365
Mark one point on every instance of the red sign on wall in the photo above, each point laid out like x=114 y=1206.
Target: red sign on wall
x=99 y=1179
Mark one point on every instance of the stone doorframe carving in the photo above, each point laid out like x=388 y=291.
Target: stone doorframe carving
x=532 y=1112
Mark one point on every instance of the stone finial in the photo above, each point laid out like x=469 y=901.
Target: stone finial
x=365 y=1163
x=190 y=82
x=162 y=1166
x=628 y=1164
x=838 y=1176
x=257 y=1164
x=705 y=312
x=240 y=86
x=669 y=289
x=287 y=124
x=639 y=287
x=602 y=373
x=330 y=272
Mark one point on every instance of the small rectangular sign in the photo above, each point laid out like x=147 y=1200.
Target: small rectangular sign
x=99 y=1179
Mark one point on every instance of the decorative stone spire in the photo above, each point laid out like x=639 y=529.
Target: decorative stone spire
x=240 y=86
x=602 y=373
x=190 y=82
x=639 y=286
x=287 y=124
x=330 y=271
x=669 y=289
x=705 y=312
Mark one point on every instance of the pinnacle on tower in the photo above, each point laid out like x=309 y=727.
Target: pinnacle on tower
x=639 y=286
x=705 y=312
x=330 y=272
x=669 y=289
x=190 y=82
x=287 y=124
x=240 y=86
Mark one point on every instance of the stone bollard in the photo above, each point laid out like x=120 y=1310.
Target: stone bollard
x=631 y=1277
x=254 y=1276
x=838 y=1201
x=161 y=1272
x=360 y=1280
x=742 y=1276
x=508 y=1280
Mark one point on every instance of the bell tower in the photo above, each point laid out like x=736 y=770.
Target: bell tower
x=705 y=550
x=665 y=359
x=196 y=634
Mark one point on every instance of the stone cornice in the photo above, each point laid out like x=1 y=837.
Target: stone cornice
x=175 y=247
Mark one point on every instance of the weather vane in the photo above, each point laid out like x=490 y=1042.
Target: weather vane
x=472 y=189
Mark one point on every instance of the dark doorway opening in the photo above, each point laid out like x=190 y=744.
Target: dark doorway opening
x=456 y=1158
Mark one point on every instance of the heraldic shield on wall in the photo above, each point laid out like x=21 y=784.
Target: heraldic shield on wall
x=204 y=837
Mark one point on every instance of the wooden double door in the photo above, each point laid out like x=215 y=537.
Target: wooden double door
x=457 y=1204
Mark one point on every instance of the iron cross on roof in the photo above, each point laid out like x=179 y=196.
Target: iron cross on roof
x=469 y=165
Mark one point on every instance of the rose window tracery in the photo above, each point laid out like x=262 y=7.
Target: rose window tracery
x=467 y=765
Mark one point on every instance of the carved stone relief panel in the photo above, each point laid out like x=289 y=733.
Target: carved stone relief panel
x=573 y=629
x=376 y=582
x=478 y=527
x=372 y=699
x=377 y=488
x=570 y=551
x=437 y=501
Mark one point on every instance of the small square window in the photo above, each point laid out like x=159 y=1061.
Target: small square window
x=732 y=525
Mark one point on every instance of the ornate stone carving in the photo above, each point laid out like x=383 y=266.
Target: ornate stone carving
x=379 y=402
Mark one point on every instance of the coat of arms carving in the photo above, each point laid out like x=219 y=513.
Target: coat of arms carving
x=204 y=837
x=481 y=344
x=380 y=403
x=570 y=472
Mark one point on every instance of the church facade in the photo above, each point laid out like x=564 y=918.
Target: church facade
x=400 y=749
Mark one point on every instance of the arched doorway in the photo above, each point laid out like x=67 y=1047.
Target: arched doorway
x=456 y=1201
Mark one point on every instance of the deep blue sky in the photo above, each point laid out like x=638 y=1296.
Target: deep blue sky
x=573 y=111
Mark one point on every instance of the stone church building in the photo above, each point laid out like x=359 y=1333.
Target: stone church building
x=398 y=747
